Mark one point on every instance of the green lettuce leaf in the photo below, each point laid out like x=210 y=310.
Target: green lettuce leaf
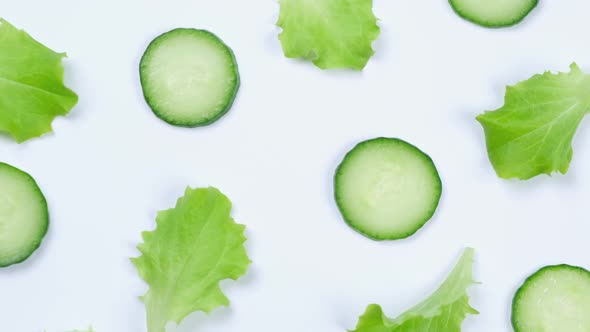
x=331 y=33
x=31 y=81
x=533 y=132
x=444 y=310
x=89 y=330
x=195 y=246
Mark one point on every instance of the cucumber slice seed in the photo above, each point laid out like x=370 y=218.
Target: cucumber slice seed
x=387 y=189
x=189 y=77
x=493 y=13
x=553 y=299
x=24 y=217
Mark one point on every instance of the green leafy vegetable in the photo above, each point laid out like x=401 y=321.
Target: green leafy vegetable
x=444 y=310
x=532 y=133
x=89 y=330
x=31 y=81
x=195 y=246
x=331 y=33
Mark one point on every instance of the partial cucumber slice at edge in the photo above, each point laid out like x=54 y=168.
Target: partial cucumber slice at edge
x=24 y=215
x=493 y=13
x=387 y=189
x=189 y=77
x=555 y=298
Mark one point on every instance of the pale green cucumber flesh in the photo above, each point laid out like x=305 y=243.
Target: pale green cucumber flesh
x=554 y=299
x=24 y=217
x=387 y=189
x=494 y=13
x=189 y=77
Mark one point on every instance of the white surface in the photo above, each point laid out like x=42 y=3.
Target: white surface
x=112 y=164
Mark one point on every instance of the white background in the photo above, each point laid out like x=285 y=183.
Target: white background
x=111 y=164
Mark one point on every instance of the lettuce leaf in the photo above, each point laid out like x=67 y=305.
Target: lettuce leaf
x=195 y=246
x=331 y=33
x=31 y=81
x=533 y=132
x=90 y=329
x=444 y=310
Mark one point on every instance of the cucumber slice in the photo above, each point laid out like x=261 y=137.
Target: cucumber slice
x=189 y=77
x=493 y=13
x=554 y=299
x=24 y=217
x=387 y=189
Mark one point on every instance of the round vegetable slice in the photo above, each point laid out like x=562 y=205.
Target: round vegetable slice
x=387 y=189
x=189 y=77
x=554 y=299
x=494 y=13
x=24 y=217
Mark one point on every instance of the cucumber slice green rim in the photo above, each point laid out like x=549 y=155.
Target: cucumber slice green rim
x=24 y=216
x=494 y=13
x=189 y=77
x=387 y=189
x=554 y=299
